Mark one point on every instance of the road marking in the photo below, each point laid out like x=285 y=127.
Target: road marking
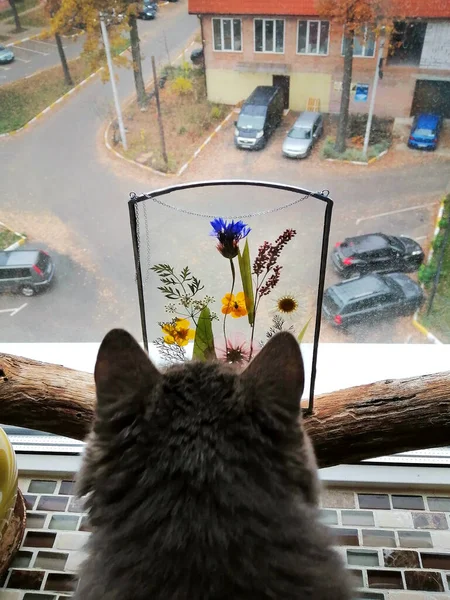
x=34 y=51
x=46 y=43
x=13 y=311
x=421 y=237
x=4 y=68
x=21 y=59
x=395 y=212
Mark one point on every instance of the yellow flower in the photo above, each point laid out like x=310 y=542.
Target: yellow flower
x=234 y=305
x=178 y=332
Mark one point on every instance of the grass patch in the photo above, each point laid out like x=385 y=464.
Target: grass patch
x=24 y=99
x=7 y=237
x=188 y=119
x=36 y=18
x=354 y=152
x=21 y=7
x=438 y=321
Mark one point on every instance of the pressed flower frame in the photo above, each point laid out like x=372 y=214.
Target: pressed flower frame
x=201 y=314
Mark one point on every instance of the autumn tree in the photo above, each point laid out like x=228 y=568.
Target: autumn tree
x=121 y=19
x=15 y=13
x=52 y=7
x=358 y=19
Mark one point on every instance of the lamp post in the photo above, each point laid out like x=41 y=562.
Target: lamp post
x=113 y=81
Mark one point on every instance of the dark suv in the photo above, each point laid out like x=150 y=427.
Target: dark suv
x=25 y=271
x=372 y=296
x=376 y=253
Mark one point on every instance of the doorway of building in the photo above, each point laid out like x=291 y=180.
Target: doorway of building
x=282 y=81
x=431 y=97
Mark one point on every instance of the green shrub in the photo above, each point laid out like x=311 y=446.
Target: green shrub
x=216 y=112
x=426 y=273
x=182 y=130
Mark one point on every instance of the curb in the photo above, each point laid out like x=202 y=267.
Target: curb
x=423 y=330
x=202 y=146
x=38 y=35
x=19 y=242
x=357 y=162
x=52 y=105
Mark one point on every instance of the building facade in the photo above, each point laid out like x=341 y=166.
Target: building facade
x=290 y=46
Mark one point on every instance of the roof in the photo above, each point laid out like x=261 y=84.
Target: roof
x=16 y=258
x=360 y=287
x=307 y=8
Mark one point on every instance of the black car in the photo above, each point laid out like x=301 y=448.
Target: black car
x=25 y=271
x=376 y=253
x=369 y=297
x=147 y=12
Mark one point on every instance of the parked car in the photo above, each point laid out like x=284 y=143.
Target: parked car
x=25 y=271
x=260 y=115
x=367 y=298
x=197 y=56
x=147 y=12
x=303 y=135
x=425 y=132
x=6 y=55
x=376 y=253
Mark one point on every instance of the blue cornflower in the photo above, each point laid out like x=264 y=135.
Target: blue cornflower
x=229 y=233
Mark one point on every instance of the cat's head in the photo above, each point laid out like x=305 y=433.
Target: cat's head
x=194 y=417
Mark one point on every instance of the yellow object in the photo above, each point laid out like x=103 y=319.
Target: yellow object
x=178 y=333
x=9 y=478
x=234 y=305
x=313 y=104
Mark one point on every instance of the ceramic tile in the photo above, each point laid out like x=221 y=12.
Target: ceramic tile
x=363 y=558
x=424 y=580
x=357 y=517
x=408 y=502
x=430 y=521
x=438 y=503
x=379 y=538
x=401 y=559
x=378 y=501
x=60 y=582
x=387 y=580
x=52 y=503
x=26 y=579
x=333 y=498
x=67 y=488
x=345 y=537
x=435 y=561
x=415 y=539
x=51 y=561
x=39 y=539
x=63 y=522
x=329 y=517
x=394 y=519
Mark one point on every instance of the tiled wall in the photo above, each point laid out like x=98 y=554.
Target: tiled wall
x=397 y=545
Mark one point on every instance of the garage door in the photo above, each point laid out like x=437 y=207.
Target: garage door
x=431 y=97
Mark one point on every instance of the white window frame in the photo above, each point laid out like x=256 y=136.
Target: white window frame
x=308 y=21
x=222 y=19
x=274 y=20
x=363 y=46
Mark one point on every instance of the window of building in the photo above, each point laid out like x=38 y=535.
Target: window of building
x=227 y=35
x=313 y=37
x=363 y=44
x=269 y=35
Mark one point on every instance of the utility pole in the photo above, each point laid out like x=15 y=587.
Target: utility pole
x=372 y=97
x=113 y=81
x=158 y=108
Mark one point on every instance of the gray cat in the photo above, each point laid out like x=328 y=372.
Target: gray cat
x=200 y=482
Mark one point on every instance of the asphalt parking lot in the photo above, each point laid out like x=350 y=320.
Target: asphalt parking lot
x=34 y=55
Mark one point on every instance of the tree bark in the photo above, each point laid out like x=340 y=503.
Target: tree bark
x=341 y=137
x=13 y=6
x=347 y=426
x=137 y=62
x=62 y=56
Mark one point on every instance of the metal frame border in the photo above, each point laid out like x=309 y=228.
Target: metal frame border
x=322 y=196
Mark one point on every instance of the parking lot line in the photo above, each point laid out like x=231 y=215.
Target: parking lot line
x=46 y=43
x=21 y=59
x=395 y=212
x=13 y=311
x=34 y=51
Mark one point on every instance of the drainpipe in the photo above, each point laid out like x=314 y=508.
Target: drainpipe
x=204 y=56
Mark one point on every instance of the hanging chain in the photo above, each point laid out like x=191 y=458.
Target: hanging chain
x=246 y=216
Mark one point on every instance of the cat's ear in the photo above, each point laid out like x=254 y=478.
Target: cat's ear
x=276 y=374
x=122 y=367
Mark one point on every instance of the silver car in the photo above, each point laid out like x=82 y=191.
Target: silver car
x=6 y=55
x=305 y=132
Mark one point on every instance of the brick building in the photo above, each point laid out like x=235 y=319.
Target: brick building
x=262 y=42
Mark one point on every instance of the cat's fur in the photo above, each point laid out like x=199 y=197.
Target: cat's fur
x=201 y=482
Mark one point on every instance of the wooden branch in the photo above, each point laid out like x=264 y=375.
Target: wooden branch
x=347 y=426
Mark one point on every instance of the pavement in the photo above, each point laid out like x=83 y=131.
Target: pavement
x=62 y=188
x=35 y=55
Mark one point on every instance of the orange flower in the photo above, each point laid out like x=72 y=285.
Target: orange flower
x=234 y=305
x=178 y=332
